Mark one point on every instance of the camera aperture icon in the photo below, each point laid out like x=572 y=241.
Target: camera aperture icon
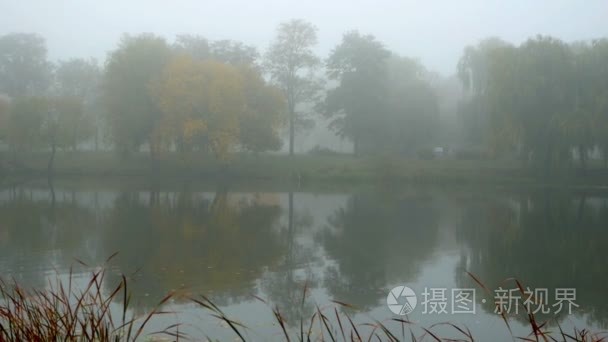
x=401 y=300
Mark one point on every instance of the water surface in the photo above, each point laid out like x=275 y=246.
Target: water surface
x=231 y=243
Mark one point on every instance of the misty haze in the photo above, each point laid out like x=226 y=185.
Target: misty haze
x=303 y=171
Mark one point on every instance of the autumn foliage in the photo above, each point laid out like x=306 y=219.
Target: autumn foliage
x=201 y=102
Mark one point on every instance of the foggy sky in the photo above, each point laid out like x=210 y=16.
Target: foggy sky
x=434 y=31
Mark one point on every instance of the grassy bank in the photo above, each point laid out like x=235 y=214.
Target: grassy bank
x=64 y=312
x=300 y=169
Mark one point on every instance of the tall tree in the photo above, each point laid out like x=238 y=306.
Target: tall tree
x=24 y=69
x=587 y=126
x=193 y=45
x=599 y=51
x=73 y=126
x=413 y=109
x=358 y=63
x=201 y=103
x=577 y=124
x=291 y=63
x=234 y=52
x=35 y=122
x=530 y=90
x=264 y=113
x=132 y=111
x=225 y=51
x=78 y=82
x=78 y=77
x=473 y=72
x=474 y=63
x=4 y=117
x=25 y=123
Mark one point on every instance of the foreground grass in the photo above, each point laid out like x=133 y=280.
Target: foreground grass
x=300 y=168
x=64 y=313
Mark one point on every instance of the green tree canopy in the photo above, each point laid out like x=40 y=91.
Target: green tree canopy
x=24 y=69
x=25 y=123
x=291 y=63
x=78 y=77
x=383 y=103
x=132 y=111
x=358 y=63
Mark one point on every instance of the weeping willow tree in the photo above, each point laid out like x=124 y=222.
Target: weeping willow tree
x=543 y=99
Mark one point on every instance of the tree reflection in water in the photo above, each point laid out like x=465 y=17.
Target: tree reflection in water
x=194 y=243
x=548 y=239
x=377 y=239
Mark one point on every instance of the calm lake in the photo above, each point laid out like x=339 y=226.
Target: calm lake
x=232 y=243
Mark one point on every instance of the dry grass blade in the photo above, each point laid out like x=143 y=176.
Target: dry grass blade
x=412 y=336
x=312 y=322
x=232 y=324
x=57 y=313
x=346 y=305
x=152 y=313
x=326 y=323
x=403 y=323
x=81 y=262
x=340 y=323
x=167 y=331
x=84 y=314
x=304 y=291
x=217 y=313
x=427 y=331
x=373 y=332
x=354 y=327
x=478 y=282
x=260 y=299
x=502 y=313
x=111 y=257
x=282 y=323
x=387 y=332
x=466 y=333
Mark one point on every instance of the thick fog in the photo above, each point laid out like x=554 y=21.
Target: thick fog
x=406 y=77
x=433 y=31
x=290 y=161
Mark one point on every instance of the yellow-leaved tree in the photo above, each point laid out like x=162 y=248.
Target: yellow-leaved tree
x=201 y=102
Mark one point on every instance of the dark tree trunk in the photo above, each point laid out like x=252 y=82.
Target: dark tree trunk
x=52 y=158
x=52 y=190
x=96 y=139
x=154 y=198
x=582 y=155
x=292 y=129
x=290 y=225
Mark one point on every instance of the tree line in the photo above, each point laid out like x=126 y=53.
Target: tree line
x=544 y=100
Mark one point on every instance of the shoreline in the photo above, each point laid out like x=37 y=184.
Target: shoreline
x=303 y=170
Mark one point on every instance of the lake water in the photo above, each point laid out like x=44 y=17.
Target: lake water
x=351 y=245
